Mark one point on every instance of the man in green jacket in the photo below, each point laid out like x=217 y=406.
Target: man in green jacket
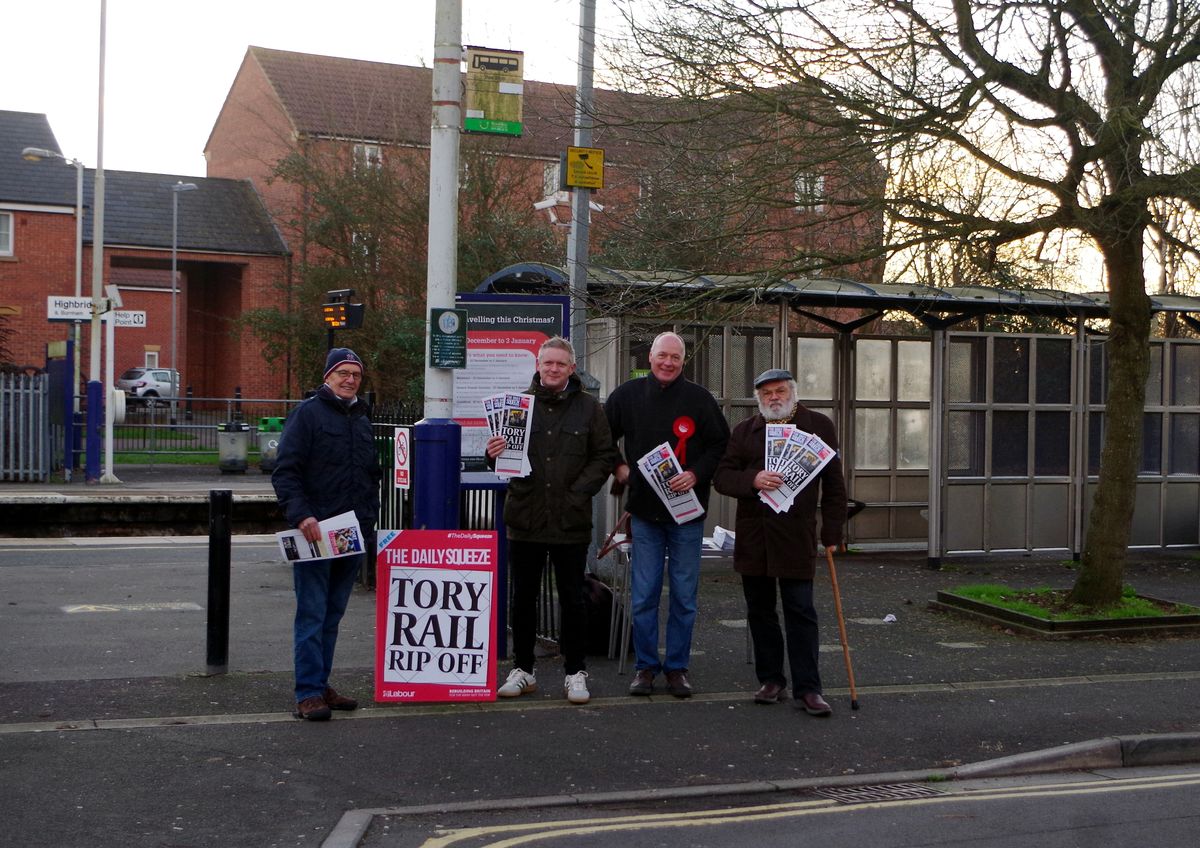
x=548 y=514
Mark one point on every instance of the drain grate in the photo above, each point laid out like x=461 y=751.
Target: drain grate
x=884 y=792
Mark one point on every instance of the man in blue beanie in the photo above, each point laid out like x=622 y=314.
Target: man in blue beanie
x=327 y=465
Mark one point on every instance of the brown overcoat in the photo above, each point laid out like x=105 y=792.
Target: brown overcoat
x=781 y=544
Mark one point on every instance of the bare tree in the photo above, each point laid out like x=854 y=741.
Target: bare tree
x=1076 y=111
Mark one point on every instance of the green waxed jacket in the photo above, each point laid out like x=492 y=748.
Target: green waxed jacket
x=571 y=454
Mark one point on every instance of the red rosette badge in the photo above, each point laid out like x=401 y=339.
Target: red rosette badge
x=683 y=428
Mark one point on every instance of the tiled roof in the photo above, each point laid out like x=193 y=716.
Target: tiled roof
x=51 y=182
x=376 y=101
x=221 y=216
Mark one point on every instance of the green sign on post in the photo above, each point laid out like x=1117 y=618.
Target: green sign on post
x=448 y=338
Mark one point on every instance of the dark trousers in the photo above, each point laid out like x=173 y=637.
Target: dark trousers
x=800 y=620
x=526 y=562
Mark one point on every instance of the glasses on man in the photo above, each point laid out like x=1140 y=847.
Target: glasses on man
x=348 y=375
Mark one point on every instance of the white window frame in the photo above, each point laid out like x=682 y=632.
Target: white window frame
x=6 y=233
x=369 y=156
x=152 y=359
x=809 y=192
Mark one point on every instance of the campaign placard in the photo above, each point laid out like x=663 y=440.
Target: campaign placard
x=435 y=623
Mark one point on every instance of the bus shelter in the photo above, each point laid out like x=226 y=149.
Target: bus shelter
x=958 y=441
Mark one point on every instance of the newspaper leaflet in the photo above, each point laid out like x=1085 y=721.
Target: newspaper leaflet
x=798 y=457
x=340 y=536
x=510 y=415
x=658 y=467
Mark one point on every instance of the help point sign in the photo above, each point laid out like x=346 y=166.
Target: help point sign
x=435 y=617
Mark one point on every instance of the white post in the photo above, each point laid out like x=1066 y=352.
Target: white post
x=95 y=392
x=577 y=241
x=441 y=280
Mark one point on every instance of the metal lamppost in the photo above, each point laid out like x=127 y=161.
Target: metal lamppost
x=175 y=189
x=36 y=154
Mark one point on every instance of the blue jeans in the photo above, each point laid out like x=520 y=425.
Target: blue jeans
x=323 y=588
x=677 y=547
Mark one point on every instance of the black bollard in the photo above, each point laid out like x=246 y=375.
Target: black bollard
x=237 y=403
x=187 y=408
x=220 y=521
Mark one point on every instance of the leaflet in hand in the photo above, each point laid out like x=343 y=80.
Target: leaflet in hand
x=340 y=536
x=798 y=456
x=658 y=467
x=510 y=415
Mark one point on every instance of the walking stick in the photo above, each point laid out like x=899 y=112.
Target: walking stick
x=837 y=605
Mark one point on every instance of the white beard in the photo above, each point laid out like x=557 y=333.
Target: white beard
x=775 y=408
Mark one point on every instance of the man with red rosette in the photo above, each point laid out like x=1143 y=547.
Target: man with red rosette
x=646 y=412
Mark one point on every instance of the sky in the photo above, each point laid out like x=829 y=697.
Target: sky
x=169 y=63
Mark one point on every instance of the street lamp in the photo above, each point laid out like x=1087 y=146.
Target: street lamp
x=175 y=189
x=36 y=154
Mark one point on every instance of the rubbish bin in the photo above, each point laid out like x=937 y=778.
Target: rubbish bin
x=269 y=430
x=233 y=443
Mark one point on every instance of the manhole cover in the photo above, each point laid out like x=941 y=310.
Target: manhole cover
x=886 y=792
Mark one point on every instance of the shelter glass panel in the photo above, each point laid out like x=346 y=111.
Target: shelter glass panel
x=1010 y=370
x=1053 y=371
x=1185 y=375
x=965 y=443
x=703 y=366
x=1151 y=443
x=967 y=370
x=912 y=439
x=815 y=368
x=1052 y=444
x=1095 y=441
x=1010 y=444
x=750 y=355
x=873 y=369
x=1097 y=371
x=1154 y=379
x=912 y=371
x=1185 y=444
x=872 y=438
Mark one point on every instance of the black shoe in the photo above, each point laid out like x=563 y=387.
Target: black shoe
x=643 y=682
x=678 y=685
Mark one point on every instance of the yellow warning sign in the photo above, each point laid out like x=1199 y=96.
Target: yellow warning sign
x=585 y=167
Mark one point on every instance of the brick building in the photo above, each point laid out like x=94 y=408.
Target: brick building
x=230 y=258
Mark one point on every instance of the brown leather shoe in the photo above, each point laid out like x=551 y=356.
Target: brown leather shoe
x=643 y=682
x=678 y=685
x=338 y=702
x=771 y=693
x=313 y=709
x=815 y=705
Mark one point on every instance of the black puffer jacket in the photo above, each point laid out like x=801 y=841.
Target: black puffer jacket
x=327 y=462
x=571 y=454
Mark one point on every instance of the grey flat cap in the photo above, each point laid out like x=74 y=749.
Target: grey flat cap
x=771 y=375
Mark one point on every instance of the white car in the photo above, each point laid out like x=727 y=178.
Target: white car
x=148 y=385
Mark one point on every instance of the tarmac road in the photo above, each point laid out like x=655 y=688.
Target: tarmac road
x=109 y=734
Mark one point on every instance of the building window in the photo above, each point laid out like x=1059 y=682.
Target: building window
x=6 y=234
x=810 y=192
x=550 y=179
x=368 y=156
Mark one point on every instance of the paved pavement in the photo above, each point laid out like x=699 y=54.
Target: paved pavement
x=114 y=735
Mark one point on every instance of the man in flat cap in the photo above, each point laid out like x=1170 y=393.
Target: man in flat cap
x=777 y=551
x=327 y=465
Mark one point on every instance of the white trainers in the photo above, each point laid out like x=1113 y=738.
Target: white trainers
x=519 y=683
x=575 y=685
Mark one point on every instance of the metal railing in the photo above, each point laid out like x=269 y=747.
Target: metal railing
x=25 y=427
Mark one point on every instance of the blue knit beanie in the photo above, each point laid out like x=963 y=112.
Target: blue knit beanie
x=340 y=356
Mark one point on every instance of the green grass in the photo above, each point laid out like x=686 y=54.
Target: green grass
x=1051 y=604
x=143 y=458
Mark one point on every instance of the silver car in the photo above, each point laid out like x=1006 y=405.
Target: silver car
x=148 y=385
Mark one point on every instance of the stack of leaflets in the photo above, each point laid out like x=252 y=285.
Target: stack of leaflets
x=340 y=536
x=798 y=457
x=658 y=467
x=510 y=415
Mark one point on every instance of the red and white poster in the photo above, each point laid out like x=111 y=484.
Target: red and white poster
x=435 y=622
x=403 y=464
